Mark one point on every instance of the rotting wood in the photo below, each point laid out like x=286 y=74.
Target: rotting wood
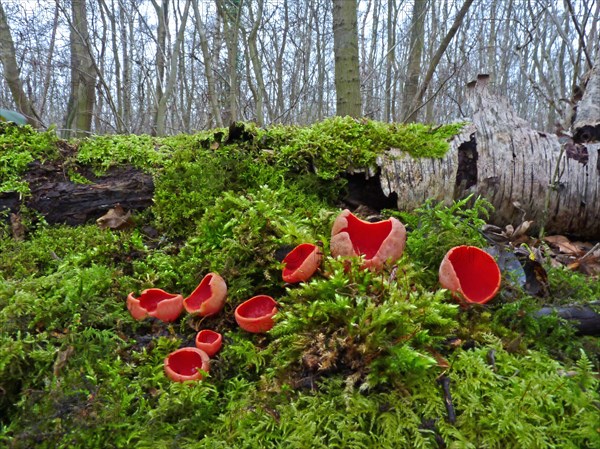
x=501 y=158
x=60 y=200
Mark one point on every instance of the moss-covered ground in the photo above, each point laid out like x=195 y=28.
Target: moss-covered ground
x=356 y=359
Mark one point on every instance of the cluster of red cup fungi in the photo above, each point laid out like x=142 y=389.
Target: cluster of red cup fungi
x=254 y=315
x=468 y=272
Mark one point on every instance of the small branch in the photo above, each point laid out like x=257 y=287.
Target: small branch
x=444 y=381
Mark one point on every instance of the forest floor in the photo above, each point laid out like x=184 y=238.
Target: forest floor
x=356 y=358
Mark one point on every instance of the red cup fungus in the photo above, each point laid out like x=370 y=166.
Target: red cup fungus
x=187 y=364
x=209 y=341
x=156 y=303
x=471 y=274
x=256 y=314
x=209 y=297
x=378 y=242
x=301 y=263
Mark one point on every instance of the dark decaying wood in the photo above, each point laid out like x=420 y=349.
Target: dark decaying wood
x=60 y=200
x=524 y=173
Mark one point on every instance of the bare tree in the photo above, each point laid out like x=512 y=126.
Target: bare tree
x=231 y=13
x=416 y=100
x=208 y=67
x=11 y=72
x=417 y=42
x=83 y=73
x=161 y=110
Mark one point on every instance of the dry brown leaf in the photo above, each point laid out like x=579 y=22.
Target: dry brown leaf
x=17 y=227
x=522 y=229
x=116 y=218
x=564 y=245
x=61 y=360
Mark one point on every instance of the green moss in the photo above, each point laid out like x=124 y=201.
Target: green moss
x=19 y=146
x=338 y=144
x=103 y=152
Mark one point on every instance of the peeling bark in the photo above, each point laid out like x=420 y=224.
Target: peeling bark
x=524 y=173
x=586 y=127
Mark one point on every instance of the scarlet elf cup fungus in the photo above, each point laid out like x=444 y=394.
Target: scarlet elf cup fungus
x=301 y=263
x=471 y=274
x=209 y=341
x=209 y=297
x=186 y=364
x=256 y=314
x=156 y=303
x=378 y=242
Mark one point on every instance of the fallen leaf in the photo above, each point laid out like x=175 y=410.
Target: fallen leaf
x=17 y=227
x=61 y=360
x=563 y=244
x=116 y=218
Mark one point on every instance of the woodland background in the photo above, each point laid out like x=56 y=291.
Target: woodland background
x=175 y=66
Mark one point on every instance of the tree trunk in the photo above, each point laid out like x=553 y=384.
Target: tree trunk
x=211 y=90
x=83 y=74
x=231 y=16
x=161 y=110
x=525 y=174
x=345 y=49
x=415 y=101
x=162 y=13
x=261 y=96
x=417 y=41
x=12 y=76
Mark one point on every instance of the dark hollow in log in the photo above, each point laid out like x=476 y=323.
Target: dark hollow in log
x=60 y=200
x=586 y=125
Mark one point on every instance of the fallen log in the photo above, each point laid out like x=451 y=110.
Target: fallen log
x=524 y=173
x=61 y=200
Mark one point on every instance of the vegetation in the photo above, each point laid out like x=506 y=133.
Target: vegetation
x=355 y=358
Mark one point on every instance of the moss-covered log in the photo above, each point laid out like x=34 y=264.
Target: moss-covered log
x=60 y=200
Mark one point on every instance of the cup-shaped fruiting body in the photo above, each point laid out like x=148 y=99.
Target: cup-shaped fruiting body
x=209 y=341
x=209 y=297
x=378 y=242
x=301 y=263
x=156 y=303
x=471 y=274
x=256 y=314
x=187 y=364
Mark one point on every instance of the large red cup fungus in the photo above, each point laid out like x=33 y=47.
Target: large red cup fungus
x=301 y=263
x=209 y=297
x=471 y=274
x=156 y=303
x=256 y=314
x=378 y=242
x=187 y=364
x=209 y=341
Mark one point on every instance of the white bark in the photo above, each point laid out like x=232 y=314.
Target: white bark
x=518 y=169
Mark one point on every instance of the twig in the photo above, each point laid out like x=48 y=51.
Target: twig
x=444 y=381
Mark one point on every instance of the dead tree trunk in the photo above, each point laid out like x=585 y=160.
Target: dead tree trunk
x=524 y=173
x=586 y=126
